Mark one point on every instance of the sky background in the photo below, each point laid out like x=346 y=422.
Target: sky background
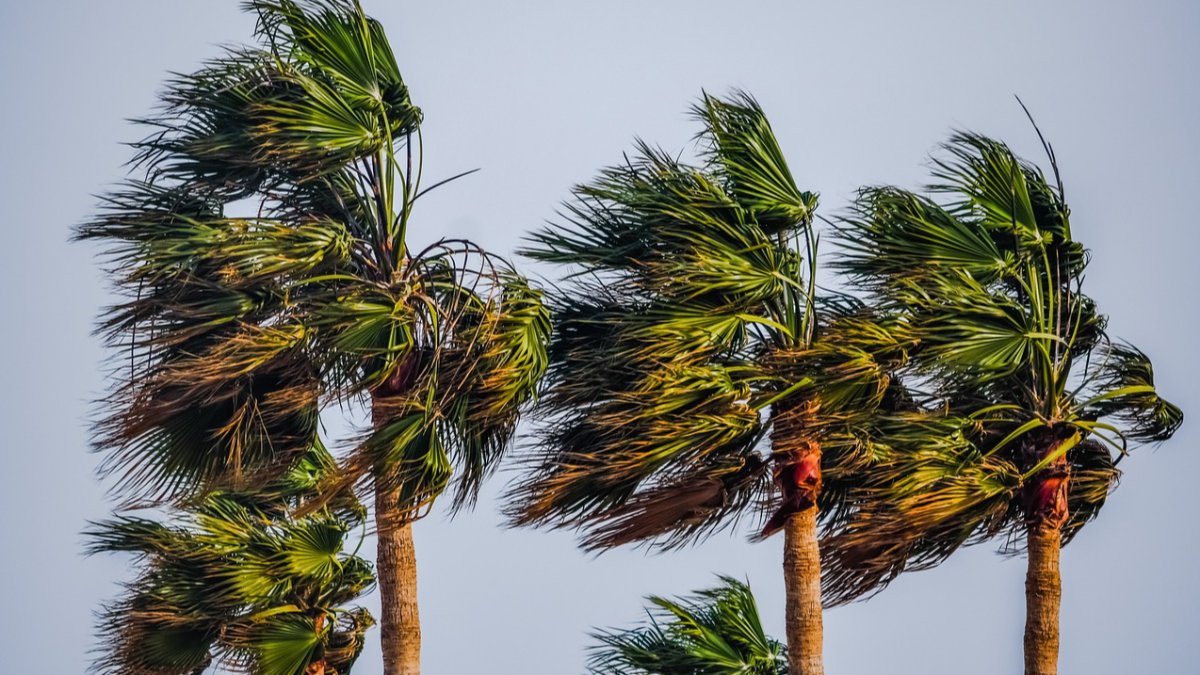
x=540 y=95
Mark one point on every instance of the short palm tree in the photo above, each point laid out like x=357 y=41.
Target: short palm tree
x=989 y=283
x=715 y=632
x=690 y=331
x=239 y=584
x=267 y=270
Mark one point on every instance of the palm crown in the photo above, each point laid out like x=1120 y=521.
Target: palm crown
x=237 y=326
x=989 y=283
x=693 y=313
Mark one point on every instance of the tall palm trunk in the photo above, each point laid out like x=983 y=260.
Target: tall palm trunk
x=1043 y=596
x=1045 y=512
x=802 y=576
x=396 y=563
x=799 y=474
x=396 y=568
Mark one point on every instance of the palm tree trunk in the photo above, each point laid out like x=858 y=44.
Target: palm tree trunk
x=798 y=470
x=802 y=576
x=1046 y=511
x=396 y=568
x=1043 y=596
x=396 y=565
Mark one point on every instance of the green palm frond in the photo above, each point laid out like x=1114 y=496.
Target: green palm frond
x=847 y=370
x=415 y=451
x=1122 y=384
x=451 y=364
x=929 y=492
x=344 y=45
x=716 y=632
x=509 y=349
x=1094 y=475
x=285 y=646
x=323 y=91
x=1008 y=195
x=892 y=235
x=984 y=175
x=741 y=142
x=684 y=416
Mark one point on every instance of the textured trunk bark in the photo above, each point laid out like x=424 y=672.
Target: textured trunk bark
x=798 y=470
x=1046 y=512
x=802 y=576
x=396 y=564
x=396 y=568
x=1043 y=596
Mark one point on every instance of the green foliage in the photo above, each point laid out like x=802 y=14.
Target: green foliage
x=715 y=632
x=742 y=148
x=988 y=283
x=236 y=329
x=238 y=582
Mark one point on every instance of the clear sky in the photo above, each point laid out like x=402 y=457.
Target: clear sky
x=542 y=93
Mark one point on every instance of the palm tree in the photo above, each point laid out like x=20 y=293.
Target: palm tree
x=715 y=632
x=690 y=331
x=239 y=584
x=267 y=272
x=989 y=282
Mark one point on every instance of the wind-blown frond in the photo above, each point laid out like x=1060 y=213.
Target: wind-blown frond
x=743 y=146
x=451 y=361
x=683 y=418
x=509 y=348
x=1123 y=385
x=716 y=631
x=892 y=235
x=921 y=506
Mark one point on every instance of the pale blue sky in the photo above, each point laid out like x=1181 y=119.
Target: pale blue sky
x=540 y=94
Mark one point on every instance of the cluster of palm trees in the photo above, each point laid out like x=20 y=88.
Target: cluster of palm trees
x=687 y=372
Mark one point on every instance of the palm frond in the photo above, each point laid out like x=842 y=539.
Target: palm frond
x=716 y=631
x=1122 y=386
x=892 y=235
x=740 y=141
x=684 y=416
x=931 y=492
